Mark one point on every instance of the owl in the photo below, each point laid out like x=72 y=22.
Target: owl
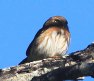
x=51 y=41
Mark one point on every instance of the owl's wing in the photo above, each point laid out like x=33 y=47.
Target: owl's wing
x=33 y=43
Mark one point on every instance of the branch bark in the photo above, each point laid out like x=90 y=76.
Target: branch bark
x=77 y=64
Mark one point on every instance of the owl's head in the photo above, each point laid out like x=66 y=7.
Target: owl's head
x=57 y=21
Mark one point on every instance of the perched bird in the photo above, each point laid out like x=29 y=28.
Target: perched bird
x=51 y=41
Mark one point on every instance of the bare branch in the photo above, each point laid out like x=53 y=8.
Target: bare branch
x=76 y=65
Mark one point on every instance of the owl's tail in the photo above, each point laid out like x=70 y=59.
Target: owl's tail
x=24 y=61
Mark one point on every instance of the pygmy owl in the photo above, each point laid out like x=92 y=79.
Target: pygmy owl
x=51 y=41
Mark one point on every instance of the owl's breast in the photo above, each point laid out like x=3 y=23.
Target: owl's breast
x=53 y=43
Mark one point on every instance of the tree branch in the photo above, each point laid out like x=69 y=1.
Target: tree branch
x=77 y=64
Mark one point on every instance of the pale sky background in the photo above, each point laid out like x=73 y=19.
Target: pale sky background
x=21 y=19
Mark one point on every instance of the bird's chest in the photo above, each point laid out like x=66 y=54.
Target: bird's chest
x=53 y=43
